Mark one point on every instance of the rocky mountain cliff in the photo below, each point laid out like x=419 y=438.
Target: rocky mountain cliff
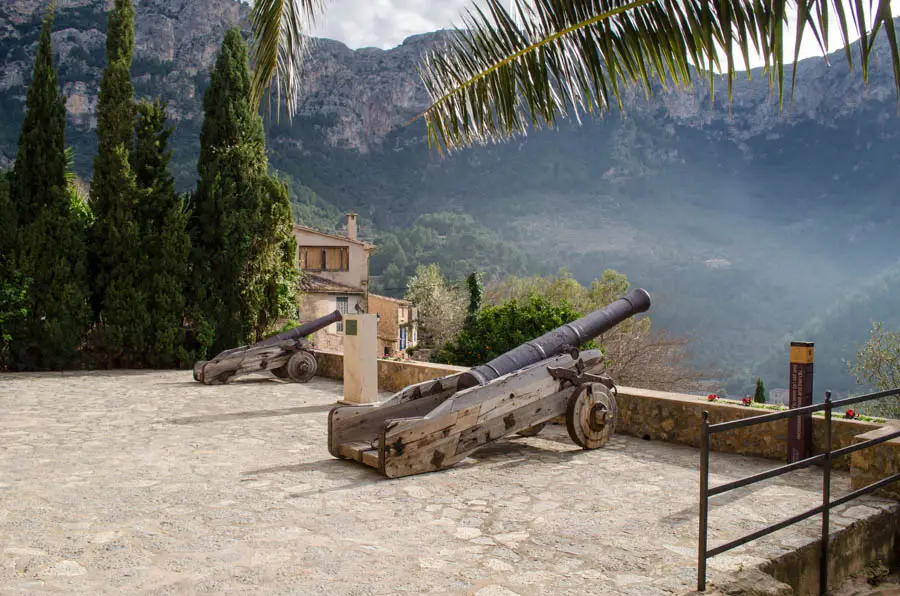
x=745 y=220
x=362 y=95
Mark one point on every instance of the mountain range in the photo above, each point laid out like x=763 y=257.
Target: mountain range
x=750 y=223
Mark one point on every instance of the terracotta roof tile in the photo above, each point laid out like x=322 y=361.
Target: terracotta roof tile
x=314 y=284
x=389 y=299
x=366 y=245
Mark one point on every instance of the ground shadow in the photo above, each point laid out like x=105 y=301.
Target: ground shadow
x=256 y=379
x=251 y=414
x=349 y=474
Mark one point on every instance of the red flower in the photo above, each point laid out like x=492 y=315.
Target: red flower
x=746 y=401
x=712 y=397
x=850 y=413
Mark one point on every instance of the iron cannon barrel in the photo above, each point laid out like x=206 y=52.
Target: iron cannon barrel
x=570 y=335
x=302 y=330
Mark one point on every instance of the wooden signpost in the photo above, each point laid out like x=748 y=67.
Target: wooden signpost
x=801 y=392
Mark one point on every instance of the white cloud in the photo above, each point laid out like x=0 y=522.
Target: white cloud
x=386 y=23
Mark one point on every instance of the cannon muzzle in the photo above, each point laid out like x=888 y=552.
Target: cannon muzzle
x=570 y=335
x=302 y=330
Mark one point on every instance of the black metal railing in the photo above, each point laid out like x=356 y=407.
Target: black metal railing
x=825 y=458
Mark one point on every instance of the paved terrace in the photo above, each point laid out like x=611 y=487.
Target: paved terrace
x=150 y=483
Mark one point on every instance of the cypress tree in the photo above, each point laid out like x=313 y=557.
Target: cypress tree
x=759 y=394
x=164 y=239
x=12 y=285
x=243 y=247
x=118 y=262
x=41 y=158
x=48 y=253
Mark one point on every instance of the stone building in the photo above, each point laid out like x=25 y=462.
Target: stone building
x=335 y=277
x=397 y=325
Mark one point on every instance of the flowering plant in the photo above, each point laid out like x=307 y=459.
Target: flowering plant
x=746 y=401
x=712 y=397
x=851 y=413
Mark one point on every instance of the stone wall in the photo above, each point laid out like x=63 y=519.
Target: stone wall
x=393 y=375
x=317 y=305
x=874 y=463
x=675 y=417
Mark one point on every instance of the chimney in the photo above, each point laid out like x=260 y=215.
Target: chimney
x=351 y=226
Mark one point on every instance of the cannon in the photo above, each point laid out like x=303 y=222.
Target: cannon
x=433 y=425
x=287 y=354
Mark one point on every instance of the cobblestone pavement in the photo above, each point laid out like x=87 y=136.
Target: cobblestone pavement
x=150 y=483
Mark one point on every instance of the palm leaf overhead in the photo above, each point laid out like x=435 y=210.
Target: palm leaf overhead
x=279 y=45
x=500 y=75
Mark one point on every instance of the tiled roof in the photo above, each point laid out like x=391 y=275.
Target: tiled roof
x=389 y=299
x=314 y=284
x=366 y=245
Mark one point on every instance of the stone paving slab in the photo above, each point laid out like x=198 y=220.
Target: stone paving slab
x=150 y=483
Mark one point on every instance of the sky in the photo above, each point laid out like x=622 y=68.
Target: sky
x=386 y=23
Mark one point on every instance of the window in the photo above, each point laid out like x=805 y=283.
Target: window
x=403 y=338
x=343 y=305
x=325 y=258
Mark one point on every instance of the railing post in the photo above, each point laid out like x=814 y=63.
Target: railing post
x=826 y=498
x=704 y=503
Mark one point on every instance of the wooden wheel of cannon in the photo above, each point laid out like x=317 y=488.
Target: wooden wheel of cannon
x=591 y=416
x=301 y=367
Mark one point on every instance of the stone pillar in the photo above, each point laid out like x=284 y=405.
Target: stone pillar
x=360 y=359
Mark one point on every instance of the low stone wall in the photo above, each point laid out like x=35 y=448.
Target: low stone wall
x=393 y=375
x=850 y=551
x=675 y=417
x=874 y=463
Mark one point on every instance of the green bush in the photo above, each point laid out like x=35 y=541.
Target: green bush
x=498 y=329
x=286 y=327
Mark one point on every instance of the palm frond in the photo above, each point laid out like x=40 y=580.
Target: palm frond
x=498 y=75
x=280 y=42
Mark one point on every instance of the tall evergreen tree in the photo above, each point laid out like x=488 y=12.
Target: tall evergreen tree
x=118 y=262
x=13 y=286
x=243 y=247
x=759 y=394
x=48 y=253
x=164 y=239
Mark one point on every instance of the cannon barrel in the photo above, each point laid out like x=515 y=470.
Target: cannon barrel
x=302 y=330
x=570 y=335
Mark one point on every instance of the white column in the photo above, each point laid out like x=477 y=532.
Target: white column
x=360 y=359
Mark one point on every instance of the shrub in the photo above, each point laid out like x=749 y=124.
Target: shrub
x=498 y=329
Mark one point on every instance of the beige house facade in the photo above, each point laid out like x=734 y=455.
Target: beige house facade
x=397 y=325
x=335 y=277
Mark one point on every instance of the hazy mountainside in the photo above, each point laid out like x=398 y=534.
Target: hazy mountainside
x=749 y=225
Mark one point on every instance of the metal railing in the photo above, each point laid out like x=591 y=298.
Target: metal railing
x=823 y=458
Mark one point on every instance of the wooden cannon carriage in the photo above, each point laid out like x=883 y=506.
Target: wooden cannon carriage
x=288 y=355
x=435 y=424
